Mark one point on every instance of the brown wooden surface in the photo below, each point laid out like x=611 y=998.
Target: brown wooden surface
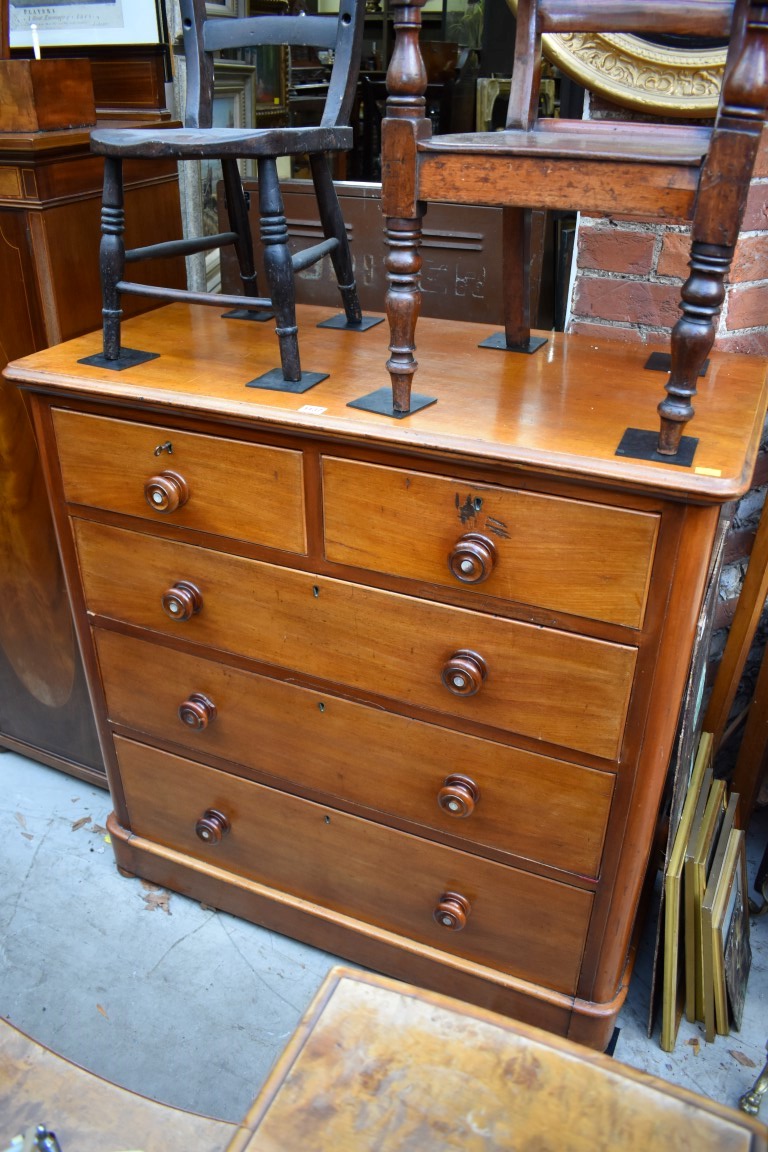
x=267 y=613
x=370 y=646
x=741 y=635
x=564 y=413
x=106 y=464
x=616 y=168
x=406 y=523
x=393 y=767
x=474 y=178
x=752 y=760
x=37 y=1086
x=42 y=95
x=522 y=924
x=379 y=1065
x=50 y=191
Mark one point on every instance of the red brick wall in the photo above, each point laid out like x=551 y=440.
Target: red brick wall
x=628 y=276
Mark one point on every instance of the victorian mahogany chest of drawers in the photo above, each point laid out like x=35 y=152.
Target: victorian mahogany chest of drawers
x=406 y=690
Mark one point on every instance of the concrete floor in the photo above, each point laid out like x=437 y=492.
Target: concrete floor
x=191 y=1006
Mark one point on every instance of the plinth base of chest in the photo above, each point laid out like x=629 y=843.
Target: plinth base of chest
x=589 y=1023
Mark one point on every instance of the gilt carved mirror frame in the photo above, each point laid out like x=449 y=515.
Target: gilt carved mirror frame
x=637 y=73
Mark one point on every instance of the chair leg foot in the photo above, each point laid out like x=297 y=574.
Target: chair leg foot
x=701 y=299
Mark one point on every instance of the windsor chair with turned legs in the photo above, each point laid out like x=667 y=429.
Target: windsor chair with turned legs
x=654 y=171
x=198 y=139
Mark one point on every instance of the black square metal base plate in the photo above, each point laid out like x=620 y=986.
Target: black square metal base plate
x=341 y=321
x=275 y=382
x=640 y=444
x=247 y=314
x=499 y=340
x=380 y=402
x=128 y=358
x=662 y=362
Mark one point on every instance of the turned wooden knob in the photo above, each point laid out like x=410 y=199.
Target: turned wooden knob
x=166 y=492
x=182 y=601
x=465 y=673
x=452 y=911
x=458 y=796
x=473 y=558
x=211 y=826
x=197 y=711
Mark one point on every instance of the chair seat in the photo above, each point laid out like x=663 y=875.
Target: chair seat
x=214 y=143
x=599 y=140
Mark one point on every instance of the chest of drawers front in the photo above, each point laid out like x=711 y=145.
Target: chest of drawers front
x=389 y=707
x=411 y=706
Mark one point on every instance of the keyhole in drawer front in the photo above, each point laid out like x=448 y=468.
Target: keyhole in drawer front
x=321 y=707
x=315 y=590
x=327 y=819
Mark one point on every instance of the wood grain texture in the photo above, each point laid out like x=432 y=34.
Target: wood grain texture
x=45 y=95
x=522 y=924
x=267 y=613
x=564 y=413
x=579 y=706
x=236 y=489
x=406 y=523
x=91 y=1113
x=386 y=765
x=375 y=1064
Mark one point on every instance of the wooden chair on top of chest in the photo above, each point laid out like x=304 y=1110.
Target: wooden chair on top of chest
x=199 y=139
x=656 y=171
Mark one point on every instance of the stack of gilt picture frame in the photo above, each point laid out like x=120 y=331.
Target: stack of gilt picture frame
x=706 y=931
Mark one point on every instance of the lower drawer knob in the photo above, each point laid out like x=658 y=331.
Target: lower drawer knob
x=166 y=492
x=197 y=711
x=465 y=673
x=211 y=826
x=182 y=601
x=452 y=912
x=458 y=796
x=472 y=558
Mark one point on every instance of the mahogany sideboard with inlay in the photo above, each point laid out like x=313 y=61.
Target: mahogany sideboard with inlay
x=405 y=690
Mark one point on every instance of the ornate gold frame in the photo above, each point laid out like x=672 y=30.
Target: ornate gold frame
x=638 y=74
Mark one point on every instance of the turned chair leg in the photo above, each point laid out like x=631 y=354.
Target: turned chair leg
x=278 y=267
x=112 y=254
x=403 y=304
x=333 y=227
x=693 y=335
x=237 y=211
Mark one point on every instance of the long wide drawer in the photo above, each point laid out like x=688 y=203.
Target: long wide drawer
x=523 y=924
x=550 y=685
x=487 y=794
x=233 y=488
x=566 y=555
